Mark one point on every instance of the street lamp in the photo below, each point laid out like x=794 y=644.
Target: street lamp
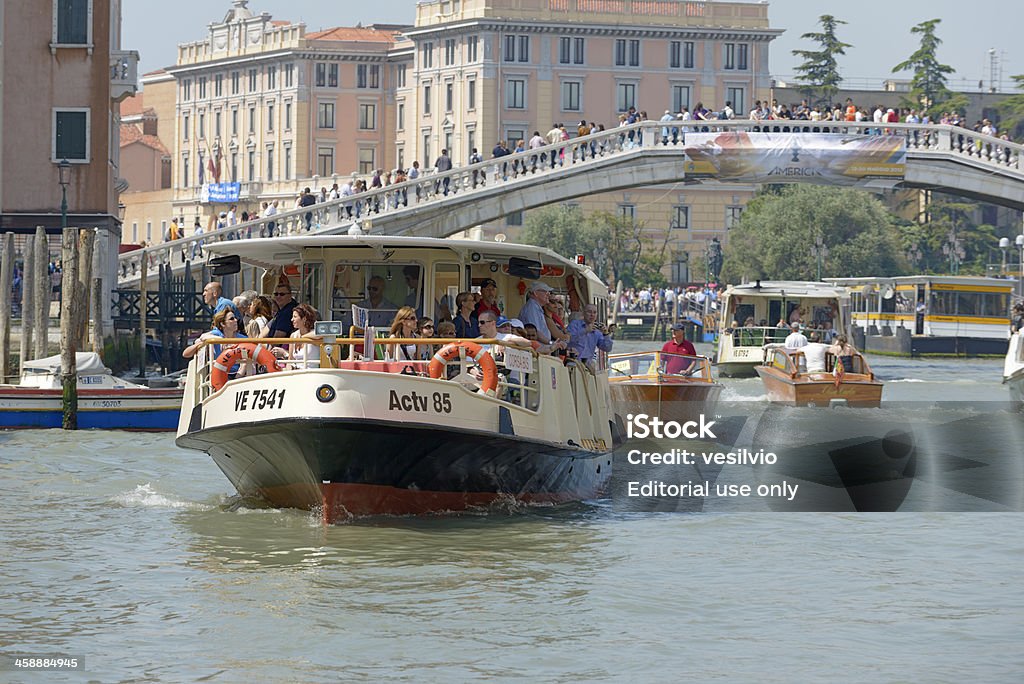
x=819 y=251
x=1004 y=247
x=600 y=258
x=1020 y=245
x=914 y=255
x=64 y=178
x=954 y=249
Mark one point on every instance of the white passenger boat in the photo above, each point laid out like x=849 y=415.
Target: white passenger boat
x=1013 y=367
x=359 y=435
x=104 y=401
x=751 y=313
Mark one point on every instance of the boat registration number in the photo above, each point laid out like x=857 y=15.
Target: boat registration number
x=259 y=399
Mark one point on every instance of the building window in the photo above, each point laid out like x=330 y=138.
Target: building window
x=216 y=124
x=375 y=76
x=742 y=53
x=287 y=116
x=185 y=121
x=628 y=212
x=252 y=118
x=234 y=121
x=681 y=217
x=135 y=232
x=471 y=49
x=471 y=94
x=367 y=76
x=270 y=164
x=234 y=167
x=325 y=161
x=517 y=48
x=253 y=75
x=149 y=232
x=73 y=22
x=732 y=217
x=448 y=140
x=675 y=54
x=186 y=90
x=218 y=85
x=449 y=51
x=202 y=87
x=320 y=75
x=524 y=48
x=627 y=52
x=470 y=139
x=514 y=135
x=737 y=96
x=236 y=80
x=367 y=117
x=514 y=219
x=201 y=132
x=289 y=75
x=571 y=96
x=252 y=165
x=186 y=181
x=271 y=77
x=426 y=100
x=515 y=93
x=426 y=150
x=736 y=56
x=401 y=75
x=688 y=54
x=680 y=98
x=400 y=158
x=625 y=96
x=287 y=163
x=332 y=75
x=570 y=50
x=449 y=96
x=400 y=124
x=427 y=55
x=325 y=115
x=367 y=156
x=361 y=75
x=270 y=116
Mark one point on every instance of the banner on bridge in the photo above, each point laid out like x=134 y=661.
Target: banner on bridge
x=831 y=158
x=221 y=192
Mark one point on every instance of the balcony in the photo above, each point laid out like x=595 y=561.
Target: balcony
x=124 y=74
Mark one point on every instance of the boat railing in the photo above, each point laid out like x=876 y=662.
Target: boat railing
x=757 y=336
x=793 y=362
x=659 y=364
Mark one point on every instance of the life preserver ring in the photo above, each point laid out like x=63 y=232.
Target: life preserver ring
x=474 y=351
x=242 y=352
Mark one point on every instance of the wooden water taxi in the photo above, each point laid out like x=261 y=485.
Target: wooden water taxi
x=670 y=386
x=786 y=380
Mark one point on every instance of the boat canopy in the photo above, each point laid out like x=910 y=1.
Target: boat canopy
x=85 y=363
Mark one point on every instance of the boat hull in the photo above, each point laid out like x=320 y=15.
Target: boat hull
x=127 y=409
x=818 y=389
x=670 y=399
x=348 y=467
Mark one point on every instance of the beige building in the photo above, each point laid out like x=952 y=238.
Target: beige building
x=63 y=75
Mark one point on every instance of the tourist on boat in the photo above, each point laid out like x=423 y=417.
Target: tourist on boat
x=403 y=327
x=466 y=324
x=1017 y=319
x=375 y=296
x=488 y=298
x=533 y=310
x=531 y=332
x=425 y=328
x=260 y=311
x=304 y=318
x=225 y=324
x=677 y=348
x=282 y=325
x=587 y=335
x=814 y=353
x=554 y=317
x=750 y=336
x=213 y=297
x=796 y=339
x=446 y=330
x=844 y=351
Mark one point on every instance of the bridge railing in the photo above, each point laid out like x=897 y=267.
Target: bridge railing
x=361 y=209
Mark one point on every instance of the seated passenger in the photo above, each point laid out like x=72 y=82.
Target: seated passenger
x=446 y=330
x=375 y=296
x=796 y=339
x=260 y=311
x=304 y=318
x=844 y=352
x=675 y=349
x=425 y=328
x=814 y=353
x=466 y=325
x=403 y=327
x=225 y=324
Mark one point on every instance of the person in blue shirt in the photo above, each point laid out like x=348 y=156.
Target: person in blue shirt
x=225 y=325
x=467 y=325
x=586 y=335
x=213 y=296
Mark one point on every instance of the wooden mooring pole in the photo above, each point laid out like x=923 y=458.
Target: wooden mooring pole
x=43 y=292
x=6 y=281
x=28 y=300
x=143 y=297
x=71 y=305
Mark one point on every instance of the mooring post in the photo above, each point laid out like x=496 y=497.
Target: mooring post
x=143 y=296
x=28 y=300
x=70 y=307
x=43 y=294
x=6 y=281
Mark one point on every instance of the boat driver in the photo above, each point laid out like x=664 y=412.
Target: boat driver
x=814 y=353
x=678 y=347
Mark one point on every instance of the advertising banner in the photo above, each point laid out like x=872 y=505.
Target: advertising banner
x=221 y=192
x=832 y=158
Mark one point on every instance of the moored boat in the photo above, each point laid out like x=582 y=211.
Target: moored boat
x=787 y=381
x=670 y=386
x=1013 y=368
x=104 y=401
x=356 y=434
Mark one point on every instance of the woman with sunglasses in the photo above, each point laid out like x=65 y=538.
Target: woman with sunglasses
x=260 y=312
x=304 y=318
x=425 y=328
x=403 y=327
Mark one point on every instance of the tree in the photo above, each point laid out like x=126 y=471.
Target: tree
x=819 y=74
x=560 y=228
x=1011 y=110
x=928 y=87
x=779 y=228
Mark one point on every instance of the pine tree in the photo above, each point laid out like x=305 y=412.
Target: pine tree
x=928 y=87
x=819 y=74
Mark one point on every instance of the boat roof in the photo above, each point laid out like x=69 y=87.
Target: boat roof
x=982 y=281
x=85 y=362
x=788 y=288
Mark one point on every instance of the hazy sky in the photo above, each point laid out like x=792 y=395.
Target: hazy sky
x=879 y=31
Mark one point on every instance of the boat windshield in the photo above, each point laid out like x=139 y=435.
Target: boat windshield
x=658 y=365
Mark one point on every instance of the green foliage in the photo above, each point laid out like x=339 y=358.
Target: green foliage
x=943 y=217
x=779 y=228
x=928 y=87
x=1011 y=110
x=560 y=228
x=819 y=74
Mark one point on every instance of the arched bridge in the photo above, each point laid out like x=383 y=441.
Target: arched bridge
x=937 y=157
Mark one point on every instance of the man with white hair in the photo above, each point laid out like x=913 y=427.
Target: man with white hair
x=533 y=310
x=795 y=339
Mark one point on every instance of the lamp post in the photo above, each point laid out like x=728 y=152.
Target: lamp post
x=64 y=176
x=954 y=249
x=1004 y=247
x=819 y=251
x=600 y=258
x=1020 y=246
x=914 y=255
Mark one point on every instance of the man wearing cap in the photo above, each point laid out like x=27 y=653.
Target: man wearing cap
x=488 y=298
x=533 y=310
x=795 y=339
x=679 y=347
x=587 y=335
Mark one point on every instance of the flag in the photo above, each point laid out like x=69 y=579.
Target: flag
x=216 y=169
x=213 y=171
x=838 y=371
x=202 y=172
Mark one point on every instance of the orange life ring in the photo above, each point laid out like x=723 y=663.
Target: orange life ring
x=242 y=352
x=474 y=351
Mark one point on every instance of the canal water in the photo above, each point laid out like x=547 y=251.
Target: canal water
x=133 y=555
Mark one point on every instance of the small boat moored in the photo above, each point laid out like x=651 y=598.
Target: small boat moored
x=104 y=402
x=670 y=386
x=787 y=381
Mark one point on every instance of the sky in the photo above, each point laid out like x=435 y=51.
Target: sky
x=879 y=31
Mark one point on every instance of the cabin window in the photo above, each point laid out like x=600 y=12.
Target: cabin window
x=942 y=303
x=995 y=305
x=311 y=288
x=446 y=288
